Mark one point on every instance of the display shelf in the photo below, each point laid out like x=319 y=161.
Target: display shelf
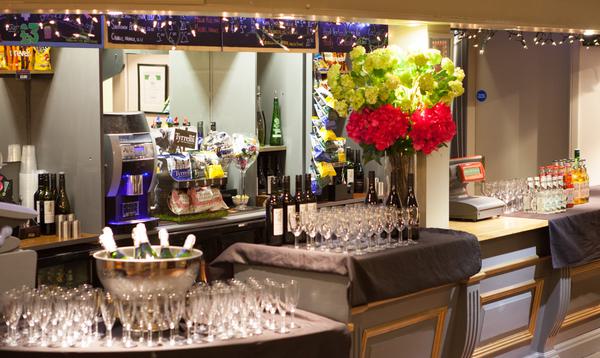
x=272 y=148
x=12 y=74
x=185 y=184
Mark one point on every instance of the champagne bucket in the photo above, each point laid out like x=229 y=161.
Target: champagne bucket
x=130 y=276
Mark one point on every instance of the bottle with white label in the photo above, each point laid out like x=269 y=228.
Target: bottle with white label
x=309 y=198
x=289 y=206
x=45 y=206
x=274 y=218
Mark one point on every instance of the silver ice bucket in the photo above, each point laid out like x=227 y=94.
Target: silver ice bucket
x=122 y=276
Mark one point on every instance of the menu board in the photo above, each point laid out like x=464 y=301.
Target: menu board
x=342 y=37
x=256 y=33
x=57 y=30
x=163 y=31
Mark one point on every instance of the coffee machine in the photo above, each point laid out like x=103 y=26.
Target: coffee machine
x=129 y=166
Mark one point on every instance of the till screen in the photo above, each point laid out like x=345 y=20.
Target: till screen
x=471 y=171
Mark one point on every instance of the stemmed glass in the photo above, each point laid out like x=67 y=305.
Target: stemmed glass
x=388 y=227
x=11 y=307
x=293 y=296
x=295 y=223
x=175 y=311
x=411 y=218
x=311 y=231
x=108 y=308
x=127 y=307
x=245 y=151
x=281 y=296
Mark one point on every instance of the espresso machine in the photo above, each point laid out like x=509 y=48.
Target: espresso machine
x=462 y=205
x=129 y=154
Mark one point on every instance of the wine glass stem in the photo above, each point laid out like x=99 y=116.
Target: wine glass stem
x=243 y=184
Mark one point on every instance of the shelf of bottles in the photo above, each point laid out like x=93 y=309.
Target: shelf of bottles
x=54 y=214
x=557 y=187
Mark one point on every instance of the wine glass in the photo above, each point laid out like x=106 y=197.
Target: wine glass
x=245 y=151
x=11 y=308
x=109 y=309
x=293 y=296
x=295 y=223
x=175 y=313
x=281 y=297
x=127 y=307
x=311 y=231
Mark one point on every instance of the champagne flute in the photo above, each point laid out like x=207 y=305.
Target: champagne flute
x=109 y=310
x=127 y=307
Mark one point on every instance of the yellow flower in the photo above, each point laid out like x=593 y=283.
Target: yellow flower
x=392 y=81
x=371 y=94
x=427 y=82
x=459 y=74
x=447 y=99
x=358 y=100
x=346 y=81
x=418 y=59
x=456 y=88
x=341 y=108
x=357 y=52
x=384 y=94
x=434 y=56
x=406 y=78
x=334 y=71
x=448 y=65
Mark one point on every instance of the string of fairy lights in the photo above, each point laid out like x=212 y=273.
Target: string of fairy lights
x=479 y=38
x=83 y=24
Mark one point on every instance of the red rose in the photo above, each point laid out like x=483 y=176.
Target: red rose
x=381 y=127
x=431 y=127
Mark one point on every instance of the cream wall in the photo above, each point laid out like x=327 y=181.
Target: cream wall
x=585 y=120
x=524 y=123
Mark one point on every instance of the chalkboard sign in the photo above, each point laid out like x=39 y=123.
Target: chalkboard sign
x=163 y=31
x=259 y=33
x=57 y=30
x=342 y=37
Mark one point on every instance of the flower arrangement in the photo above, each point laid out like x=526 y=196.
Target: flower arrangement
x=399 y=102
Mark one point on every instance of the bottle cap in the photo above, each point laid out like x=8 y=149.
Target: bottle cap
x=190 y=240
x=140 y=233
x=163 y=236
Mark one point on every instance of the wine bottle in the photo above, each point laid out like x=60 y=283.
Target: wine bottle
x=261 y=180
x=107 y=241
x=146 y=250
x=301 y=205
x=276 y=136
x=371 y=198
x=188 y=245
x=274 y=218
x=349 y=168
x=36 y=198
x=413 y=208
x=260 y=119
x=200 y=133
x=53 y=184
x=270 y=175
x=289 y=206
x=393 y=198
x=46 y=205
x=359 y=173
x=309 y=198
x=63 y=206
x=165 y=250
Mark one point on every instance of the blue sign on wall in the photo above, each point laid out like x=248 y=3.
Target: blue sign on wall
x=481 y=95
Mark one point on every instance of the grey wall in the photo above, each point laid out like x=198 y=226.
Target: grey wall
x=66 y=129
x=282 y=72
x=524 y=123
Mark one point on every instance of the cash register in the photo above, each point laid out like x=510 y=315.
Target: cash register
x=462 y=205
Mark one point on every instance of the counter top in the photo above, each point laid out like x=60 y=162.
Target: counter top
x=237 y=217
x=498 y=227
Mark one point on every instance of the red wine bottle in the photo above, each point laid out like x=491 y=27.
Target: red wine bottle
x=371 y=198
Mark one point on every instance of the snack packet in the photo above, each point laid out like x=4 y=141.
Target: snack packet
x=179 y=202
x=42 y=59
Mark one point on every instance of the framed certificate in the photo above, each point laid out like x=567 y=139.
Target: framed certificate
x=152 y=87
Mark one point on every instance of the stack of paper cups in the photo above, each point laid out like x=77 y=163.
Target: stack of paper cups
x=28 y=178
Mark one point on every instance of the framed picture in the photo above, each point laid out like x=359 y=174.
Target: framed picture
x=152 y=87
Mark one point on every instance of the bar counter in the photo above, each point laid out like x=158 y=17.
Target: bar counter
x=316 y=337
x=553 y=310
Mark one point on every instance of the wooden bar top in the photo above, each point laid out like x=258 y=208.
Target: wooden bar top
x=46 y=241
x=490 y=229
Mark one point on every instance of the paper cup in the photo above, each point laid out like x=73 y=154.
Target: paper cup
x=14 y=153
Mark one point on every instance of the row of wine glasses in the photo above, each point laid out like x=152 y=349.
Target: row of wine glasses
x=60 y=317
x=511 y=192
x=353 y=229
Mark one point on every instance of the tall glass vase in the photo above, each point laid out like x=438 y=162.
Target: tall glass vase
x=398 y=168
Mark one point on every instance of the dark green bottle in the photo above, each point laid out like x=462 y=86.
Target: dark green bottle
x=165 y=249
x=63 y=205
x=276 y=135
